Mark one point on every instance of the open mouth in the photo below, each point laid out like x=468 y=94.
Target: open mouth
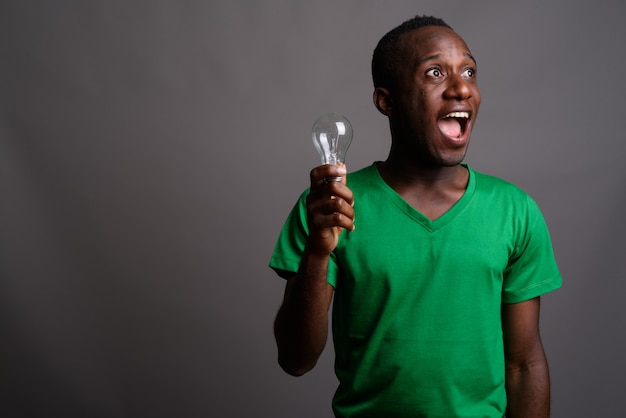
x=454 y=124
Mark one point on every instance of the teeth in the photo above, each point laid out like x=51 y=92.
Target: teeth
x=458 y=115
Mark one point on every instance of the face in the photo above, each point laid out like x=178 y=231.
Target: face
x=433 y=109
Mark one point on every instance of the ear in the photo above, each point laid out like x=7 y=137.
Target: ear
x=383 y=101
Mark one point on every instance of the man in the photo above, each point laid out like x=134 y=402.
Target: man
x=436 y=292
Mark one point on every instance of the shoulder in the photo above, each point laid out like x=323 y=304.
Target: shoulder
x=363 y=173
x=489 y=181
x=502 y=195
x=365 y=177
x=489 y=184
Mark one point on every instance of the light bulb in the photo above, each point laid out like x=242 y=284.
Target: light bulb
x=332 y=135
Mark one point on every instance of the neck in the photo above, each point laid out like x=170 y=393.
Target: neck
x=402 y=173
x=430 y=190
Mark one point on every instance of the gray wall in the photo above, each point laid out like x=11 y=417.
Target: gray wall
x=150 y=151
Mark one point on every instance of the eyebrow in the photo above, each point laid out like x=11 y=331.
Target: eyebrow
x=437 y=56
x=470 y=56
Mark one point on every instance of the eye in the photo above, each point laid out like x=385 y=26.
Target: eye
x=469 y=72
x=434 y=72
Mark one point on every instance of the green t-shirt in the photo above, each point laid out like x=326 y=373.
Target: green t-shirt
x=416 y=314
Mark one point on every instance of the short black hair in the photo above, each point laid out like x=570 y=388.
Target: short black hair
x=386 y=58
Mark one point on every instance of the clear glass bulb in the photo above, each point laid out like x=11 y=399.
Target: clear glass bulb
x=332 y=135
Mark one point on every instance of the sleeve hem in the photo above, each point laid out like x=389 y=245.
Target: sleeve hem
x=533 y=291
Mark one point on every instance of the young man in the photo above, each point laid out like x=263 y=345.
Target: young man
x=436 y=292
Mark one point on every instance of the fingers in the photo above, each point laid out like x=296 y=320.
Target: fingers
x=329 y=208
x=330 y=180
x=330 y=212
x=326 y=171
x=330 y=202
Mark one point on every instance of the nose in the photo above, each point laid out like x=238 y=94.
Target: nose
x=458 y=89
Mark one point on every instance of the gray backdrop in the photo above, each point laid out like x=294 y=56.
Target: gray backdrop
x=150 y=151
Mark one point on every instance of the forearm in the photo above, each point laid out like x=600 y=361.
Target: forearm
x=528 y=389
x=301 y=326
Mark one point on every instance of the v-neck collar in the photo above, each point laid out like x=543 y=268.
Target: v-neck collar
x=419 y=217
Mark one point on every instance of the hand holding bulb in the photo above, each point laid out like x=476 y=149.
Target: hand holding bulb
x=332 y=135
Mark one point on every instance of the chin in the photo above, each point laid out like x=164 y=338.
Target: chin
x=452 y=159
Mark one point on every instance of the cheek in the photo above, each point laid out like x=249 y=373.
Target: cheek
x=476 y=95
x=424 y=97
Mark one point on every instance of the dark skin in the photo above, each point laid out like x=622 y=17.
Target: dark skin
x=527 y=378
x=301 y=326
x=438 y=83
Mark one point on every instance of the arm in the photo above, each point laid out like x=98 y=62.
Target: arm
x=527 y=379
x=301 y=325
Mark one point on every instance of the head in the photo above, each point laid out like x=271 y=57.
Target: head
x=425 y=83
x=387 y=56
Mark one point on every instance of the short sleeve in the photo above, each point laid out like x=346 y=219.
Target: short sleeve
x=532 y=269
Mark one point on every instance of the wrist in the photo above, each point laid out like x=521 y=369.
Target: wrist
x=316 y=254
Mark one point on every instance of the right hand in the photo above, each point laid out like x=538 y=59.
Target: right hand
x=329 y=208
